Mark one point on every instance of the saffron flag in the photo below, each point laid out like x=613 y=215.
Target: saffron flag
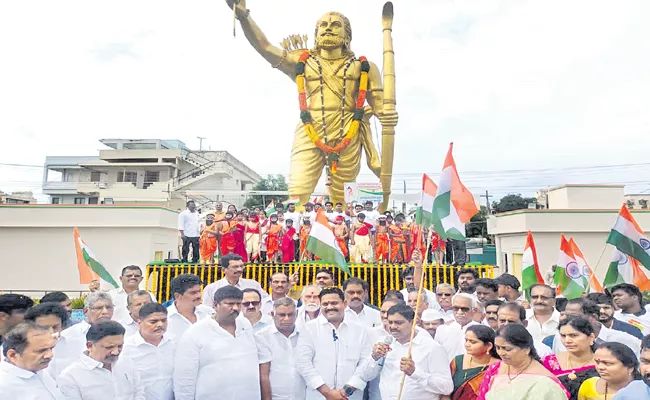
x=569 y=276
x=625 y=269
x=89 y=266
x=453 y=205
x=594 y=285
x=322 y=243
x=628 y=237
x=530 y=274
x=423 y=215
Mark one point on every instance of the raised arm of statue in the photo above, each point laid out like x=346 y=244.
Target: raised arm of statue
x=277 y=57
x=375 y=97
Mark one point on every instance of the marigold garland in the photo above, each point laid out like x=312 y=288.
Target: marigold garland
x=305 y=115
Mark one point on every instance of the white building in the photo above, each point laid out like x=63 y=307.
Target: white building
x=150 y=171
x=17 y=198
x=584 y=212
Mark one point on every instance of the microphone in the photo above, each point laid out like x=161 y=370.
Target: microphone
x=387 y=341
x=334 y=335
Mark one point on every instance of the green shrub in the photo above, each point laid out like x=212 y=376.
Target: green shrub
x=78 y=304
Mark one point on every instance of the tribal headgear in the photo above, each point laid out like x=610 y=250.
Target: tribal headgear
x=340 y=218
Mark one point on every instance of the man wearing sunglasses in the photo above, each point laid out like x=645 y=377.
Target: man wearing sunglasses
x=130 y=279
x=252 y=310
x=452 y=336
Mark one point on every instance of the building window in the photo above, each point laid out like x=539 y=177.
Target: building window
x=93 y=200
x=152 y=176
x=108 y=200
x=80 y=200
x=95 y=176
x=127 y=177
x=56 y=200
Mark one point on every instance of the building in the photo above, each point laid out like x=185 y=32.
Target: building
x=639 y=200
x=150 y=171
x=585 y=213
x=39 y=249
x=17 y=198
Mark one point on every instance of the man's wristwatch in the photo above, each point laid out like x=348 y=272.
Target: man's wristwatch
x=348 y=390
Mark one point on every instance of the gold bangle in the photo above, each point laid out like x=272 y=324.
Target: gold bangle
x=284 y=57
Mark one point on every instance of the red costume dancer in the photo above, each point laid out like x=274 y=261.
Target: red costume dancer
x=253 y=237
x=341 y=232
x=208 y=240
x=288 y=247
x=240 y=239
x=227 y=240
x=304 y=235
x=273 y=239
x=417 y=237
x=398 y=249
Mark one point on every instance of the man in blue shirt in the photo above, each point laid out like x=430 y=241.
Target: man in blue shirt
x=639 y=390
x=606 y=317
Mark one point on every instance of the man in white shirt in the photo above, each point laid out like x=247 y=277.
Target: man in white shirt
x=588 y=309
x=544 y=319
x=233 y=268
x=100 y=373
x=152 y=352
x=186 y=308
x=356 y=293
x=513 y=313
x=466 y=279
x=628 y=300
x=330 y=351
x=251 y=310
x=310 y=308
x=28 y=350
x=217 y=357
x=292 y=214
x=309 y=213
x=371 y=214
x=444 y=294
x=134 y=302
x=12 y=311
x=412 y=301
x=279 y=378
x=431 y=320
x=426 y=376
x=279 y=288
x=98 y=306
x=130 y=279
x=188 y=226
x=452 y=336
x=407 y=278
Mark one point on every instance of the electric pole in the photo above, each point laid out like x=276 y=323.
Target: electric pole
x=487 y=201
x=200 y=142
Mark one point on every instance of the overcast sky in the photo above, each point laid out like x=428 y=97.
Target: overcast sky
x=534 y=91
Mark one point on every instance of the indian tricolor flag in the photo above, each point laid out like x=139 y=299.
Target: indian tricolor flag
x=628 y=237
x=569 y=276
x=89 y=267
x=453 y=205
x=625 y=269
x=323 y=244
x=530 y=274
x=270 y=209
x=423 y=215
x=594 y=285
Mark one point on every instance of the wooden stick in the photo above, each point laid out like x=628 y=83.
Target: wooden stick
x=234 y=18
x=593 y=272
x=414 y=325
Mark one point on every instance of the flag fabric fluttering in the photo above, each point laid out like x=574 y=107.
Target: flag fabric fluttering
x=89 y=266
x=625 y=269
x=569 y=275
x=423 y=215
x=453 y=205
x=628 y=237
x=594 y=284
x=322 y=243
x=530 y=274
x=270 y=209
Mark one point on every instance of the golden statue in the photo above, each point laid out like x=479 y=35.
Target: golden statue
x=331 y=81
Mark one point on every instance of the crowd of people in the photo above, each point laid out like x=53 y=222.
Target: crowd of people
x=478 y=339
x=363 y=234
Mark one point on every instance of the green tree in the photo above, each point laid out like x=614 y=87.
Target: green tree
x=271 y=183
x=477 y=226
x=512 y=202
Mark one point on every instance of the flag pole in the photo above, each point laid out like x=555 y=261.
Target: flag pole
x=415 y=320
x=593 y=273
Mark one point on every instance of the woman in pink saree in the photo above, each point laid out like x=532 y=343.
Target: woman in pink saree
x=519 y=375
x=576 y=365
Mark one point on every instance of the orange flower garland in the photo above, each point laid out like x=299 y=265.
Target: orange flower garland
x=306 y=118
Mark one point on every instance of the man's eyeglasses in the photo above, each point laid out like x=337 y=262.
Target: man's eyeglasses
x=445 y=294
x=463 y=309
x=132 y=276
x=250 y=303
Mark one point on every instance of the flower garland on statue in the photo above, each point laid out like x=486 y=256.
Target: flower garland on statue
x=305 y=115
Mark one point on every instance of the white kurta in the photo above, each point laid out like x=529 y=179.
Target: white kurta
x=69 y=348
x=209 y=291
x=274 y=347
x=88 y=379
x=431 y=378
x=178 y=324
x=452 y=338
x=19 y=384
x=332 y=357
x=121 y=313
x=210 y=363
x=368 y=317
x=155 y=364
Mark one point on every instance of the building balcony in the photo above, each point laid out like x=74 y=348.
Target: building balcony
x=126 y=191
x=55 y=187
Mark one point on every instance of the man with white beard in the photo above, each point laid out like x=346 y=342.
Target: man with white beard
x=310 y=308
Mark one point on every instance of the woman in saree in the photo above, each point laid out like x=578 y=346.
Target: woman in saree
x=519 y=375
x=467 y=369
x=576 y=365
x=617 y=366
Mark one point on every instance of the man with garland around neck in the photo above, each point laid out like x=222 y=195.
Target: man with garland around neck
x=332 y=62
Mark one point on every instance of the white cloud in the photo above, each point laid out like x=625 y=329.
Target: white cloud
x=515 y=84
